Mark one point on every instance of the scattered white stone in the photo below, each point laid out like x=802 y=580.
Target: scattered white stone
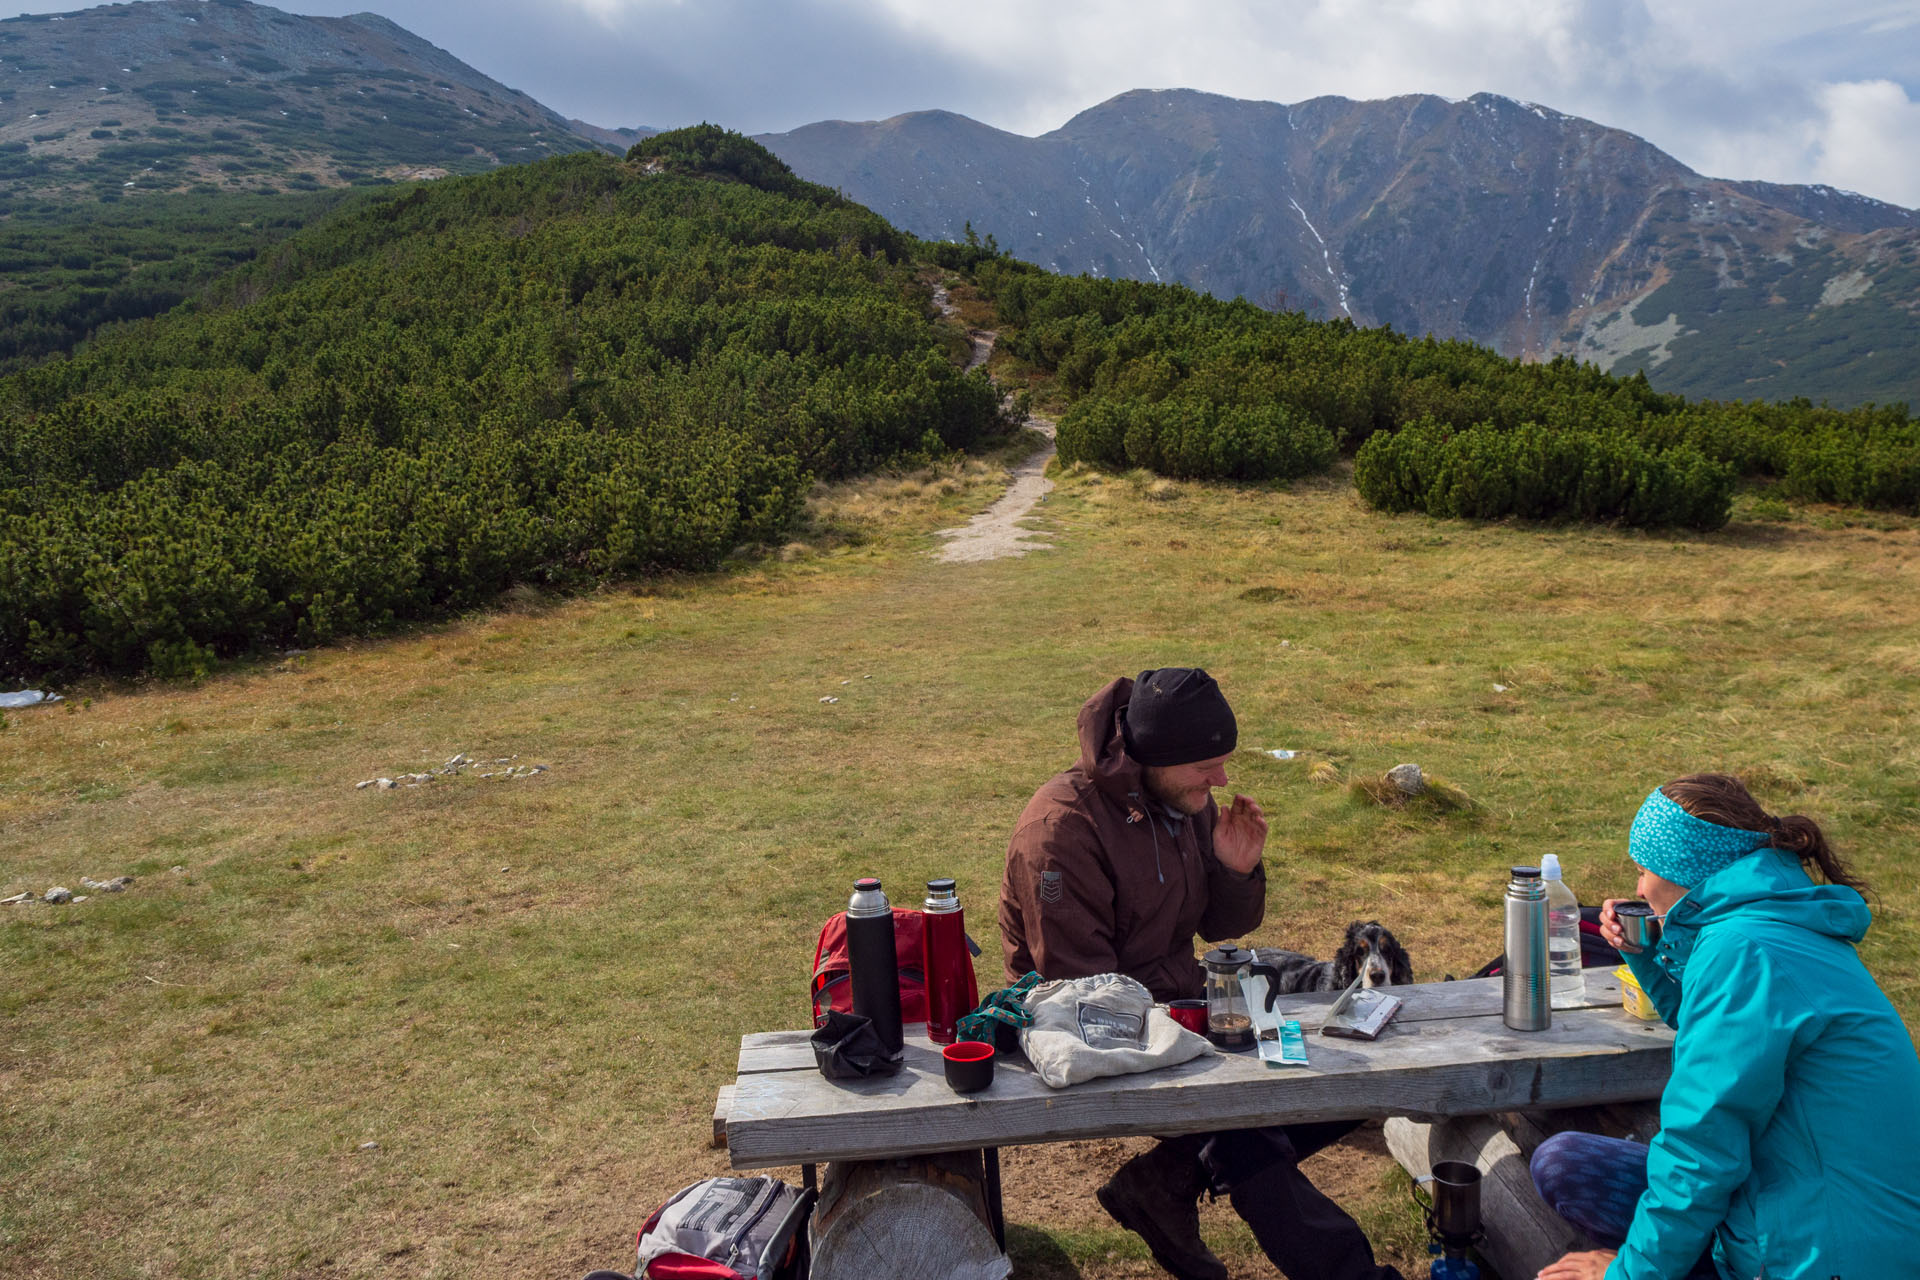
x=385 y=784
x=80 y=897
x=1499 y=688
x=505 y=869
x=829 y=700
x=59 y=894
x=178 y=871
x=1281 y=753
x=17 y=899
x=362 y=786
x=846 y=682
x=369 y=1146
x=1286 y=644
x=116 y=885
x=1408 y=778
x=866 y=677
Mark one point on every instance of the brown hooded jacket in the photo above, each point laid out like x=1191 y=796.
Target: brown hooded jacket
x=1097 y=883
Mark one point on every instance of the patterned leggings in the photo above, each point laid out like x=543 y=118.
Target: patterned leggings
x=1594 y=1183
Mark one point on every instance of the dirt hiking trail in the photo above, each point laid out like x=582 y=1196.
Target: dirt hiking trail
x=998 y=531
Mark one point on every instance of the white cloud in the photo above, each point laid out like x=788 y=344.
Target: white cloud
x=1869 y=140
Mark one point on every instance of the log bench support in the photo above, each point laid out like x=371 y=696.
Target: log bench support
x=922 y=1218
x=987 y=1177
x=1522 y=1233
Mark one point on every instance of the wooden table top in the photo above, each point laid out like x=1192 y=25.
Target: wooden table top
x=1447 y=1053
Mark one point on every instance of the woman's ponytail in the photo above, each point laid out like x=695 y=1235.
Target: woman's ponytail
x=1802 y=837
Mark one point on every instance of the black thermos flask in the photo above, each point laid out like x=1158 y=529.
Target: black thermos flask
x=874 y=962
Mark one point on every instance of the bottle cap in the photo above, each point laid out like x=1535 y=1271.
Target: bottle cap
x=1550 y=866
x=867 y=900
x=1526 y=873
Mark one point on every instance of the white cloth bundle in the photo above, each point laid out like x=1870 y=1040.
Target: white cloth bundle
x=1105 y=1025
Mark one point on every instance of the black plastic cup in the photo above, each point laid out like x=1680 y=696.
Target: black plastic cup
x=969 y=1065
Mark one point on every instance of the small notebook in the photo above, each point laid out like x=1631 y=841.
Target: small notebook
x=1361 y=1013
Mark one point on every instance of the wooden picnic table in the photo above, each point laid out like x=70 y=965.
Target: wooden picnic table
x=1447 y=1053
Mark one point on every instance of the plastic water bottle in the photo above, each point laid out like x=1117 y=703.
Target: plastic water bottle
x=1563 y=938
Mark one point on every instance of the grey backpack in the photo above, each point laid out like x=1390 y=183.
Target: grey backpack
x=727 y=1229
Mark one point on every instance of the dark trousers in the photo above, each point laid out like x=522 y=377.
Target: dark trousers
x=1306 y=1235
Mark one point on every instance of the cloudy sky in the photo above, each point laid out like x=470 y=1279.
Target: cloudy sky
x=1784 y=90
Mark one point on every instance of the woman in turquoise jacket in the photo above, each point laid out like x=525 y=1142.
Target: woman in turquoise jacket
x=1789 y=1141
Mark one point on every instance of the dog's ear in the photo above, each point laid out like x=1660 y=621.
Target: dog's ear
x=1346 y=961
x=1399 y=964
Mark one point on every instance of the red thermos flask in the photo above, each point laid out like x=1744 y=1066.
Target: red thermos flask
x=952 y=992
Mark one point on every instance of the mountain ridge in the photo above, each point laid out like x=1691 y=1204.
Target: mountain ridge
x=1509 y=223
x=1488 y=219
x=171 y=95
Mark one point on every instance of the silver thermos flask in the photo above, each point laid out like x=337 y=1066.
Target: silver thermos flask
x=1526 y=978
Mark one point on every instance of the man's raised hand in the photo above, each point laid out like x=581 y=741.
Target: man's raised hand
x=1240 y=835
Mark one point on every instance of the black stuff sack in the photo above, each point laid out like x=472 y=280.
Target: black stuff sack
x=846 y=1047
x=726 y=1229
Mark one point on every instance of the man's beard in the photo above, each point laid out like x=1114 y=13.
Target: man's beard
x=1188 y=802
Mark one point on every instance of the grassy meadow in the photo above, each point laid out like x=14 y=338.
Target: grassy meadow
x=527 y=992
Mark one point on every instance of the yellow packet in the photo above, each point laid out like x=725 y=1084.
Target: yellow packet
x=1632 y=998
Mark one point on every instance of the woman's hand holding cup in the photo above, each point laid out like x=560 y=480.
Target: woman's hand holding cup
x=1610 y=926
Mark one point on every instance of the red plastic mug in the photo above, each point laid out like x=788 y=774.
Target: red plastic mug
x=1191 y=1014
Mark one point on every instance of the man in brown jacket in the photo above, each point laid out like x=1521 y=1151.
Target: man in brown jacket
x=1114 y=867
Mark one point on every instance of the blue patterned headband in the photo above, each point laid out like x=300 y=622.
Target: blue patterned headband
x=1683 y=849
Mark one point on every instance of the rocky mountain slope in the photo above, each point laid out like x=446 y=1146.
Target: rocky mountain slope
x=1497 y=221
x=175 y=94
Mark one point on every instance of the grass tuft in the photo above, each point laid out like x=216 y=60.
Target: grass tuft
x=1437 y=796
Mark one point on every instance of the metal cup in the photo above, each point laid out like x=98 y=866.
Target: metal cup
x=1638 y=924
x=1453 y=1212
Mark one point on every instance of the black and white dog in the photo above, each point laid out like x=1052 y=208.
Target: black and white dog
x=1370 y=952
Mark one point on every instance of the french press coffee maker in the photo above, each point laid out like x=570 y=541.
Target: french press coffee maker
x=1229 y=1021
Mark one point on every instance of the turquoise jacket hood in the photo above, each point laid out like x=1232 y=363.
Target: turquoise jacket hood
x=1789 y=1136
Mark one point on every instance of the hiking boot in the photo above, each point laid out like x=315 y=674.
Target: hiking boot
x=1156 y=1196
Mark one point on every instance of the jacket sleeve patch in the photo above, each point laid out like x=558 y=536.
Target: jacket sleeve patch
x=1052 y=887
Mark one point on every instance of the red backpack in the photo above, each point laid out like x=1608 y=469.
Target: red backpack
x=832 y=977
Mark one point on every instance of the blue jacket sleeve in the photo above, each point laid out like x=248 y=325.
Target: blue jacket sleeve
x=1657 y=983
x=1740 y=1020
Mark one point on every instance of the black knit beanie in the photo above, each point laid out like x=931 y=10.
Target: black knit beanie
x=1177 y=715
